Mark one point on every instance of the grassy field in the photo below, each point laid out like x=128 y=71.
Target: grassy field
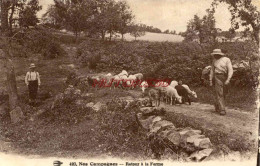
x=153 y=37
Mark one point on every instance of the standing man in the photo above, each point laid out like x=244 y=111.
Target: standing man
x=32 y=80
x=220 y=75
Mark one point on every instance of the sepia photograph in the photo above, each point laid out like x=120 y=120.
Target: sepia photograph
x=129 y=82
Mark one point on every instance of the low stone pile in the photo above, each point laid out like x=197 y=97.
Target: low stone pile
x=74 y=94
x=192 y=142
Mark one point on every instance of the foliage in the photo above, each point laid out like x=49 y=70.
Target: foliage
x=204 y=29
x=37 y=40
x=163 y=60
x=120 y=128
x=51 y=18
x=126 y=17
x=136 y=31
x=95 y=17
x=229 y=34
x=73 y=15
x=244 y=13
x=147 y=28
x=27 y=13
x=27 y=16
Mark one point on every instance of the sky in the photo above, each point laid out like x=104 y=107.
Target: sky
x=170 y=14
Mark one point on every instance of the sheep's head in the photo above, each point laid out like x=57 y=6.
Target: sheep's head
x=179 y=99
x=194 y=94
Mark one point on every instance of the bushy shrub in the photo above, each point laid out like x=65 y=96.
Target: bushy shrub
x=53 y=50
x=36 y=41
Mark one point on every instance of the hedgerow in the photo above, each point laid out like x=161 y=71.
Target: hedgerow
x=164 y=59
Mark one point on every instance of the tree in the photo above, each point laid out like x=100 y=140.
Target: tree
x=75 y=15
x=9 y=68
x=243 y=13
x=194 y=29
x=173 y=32
x=113 y=19
x=136 y=31
x=204 y=28
x=27 y=16
x=229 y=34
x=166 y=31
x=126 y=18
x=8 y=8
x=51 y=17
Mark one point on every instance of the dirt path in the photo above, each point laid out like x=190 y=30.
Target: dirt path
x=238 y=129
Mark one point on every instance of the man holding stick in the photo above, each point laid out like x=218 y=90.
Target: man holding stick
x=220 y=75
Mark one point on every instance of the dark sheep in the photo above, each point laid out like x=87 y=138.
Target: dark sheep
x=184 y=93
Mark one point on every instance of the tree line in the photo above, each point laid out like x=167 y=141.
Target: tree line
x=95 y=18
x=243 y=13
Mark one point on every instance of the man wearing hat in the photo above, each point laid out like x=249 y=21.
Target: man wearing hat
x=220 y=75
x=32 y=80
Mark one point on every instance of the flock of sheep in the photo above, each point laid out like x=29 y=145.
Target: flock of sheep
x=175 y=91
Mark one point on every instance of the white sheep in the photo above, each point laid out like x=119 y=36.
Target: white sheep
x=173 y=95
x=116 y=81
x=109 y=74
x=193 y=93
x=108 y=81
x=123 y=73
x=122 y=81
x=144 y=86
x=131 y=80
x=174 y=83
x=139 y=76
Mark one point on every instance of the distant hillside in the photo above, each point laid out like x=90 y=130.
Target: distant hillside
x=158 y=37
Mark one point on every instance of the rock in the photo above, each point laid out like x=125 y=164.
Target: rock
x=200 y=155
x=159 y=124
x=69 y=90
x=72 y=66
x=57 y=99
x=185 y=133
x=148 y=111
x=79 y=102
x=37 y=114
x=91 y=104
x=192 y=139
x=202 y=143
x=86 y=94
x=16 y=115
x=165 y=133
x=77 y=92
x=188 y=131
x=97 y=106
x=156 y=119
x=145 y=123
x=67 y=67
x=174 y=137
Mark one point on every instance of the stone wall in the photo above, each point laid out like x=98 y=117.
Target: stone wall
x=192 y=142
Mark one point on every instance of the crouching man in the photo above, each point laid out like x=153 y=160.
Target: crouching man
x=32 y=80
x=220 y=75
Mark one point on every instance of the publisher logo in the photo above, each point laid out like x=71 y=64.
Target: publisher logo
x=57 y=163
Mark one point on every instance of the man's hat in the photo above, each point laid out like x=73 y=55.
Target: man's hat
x=217 y=52
x=32 y=65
